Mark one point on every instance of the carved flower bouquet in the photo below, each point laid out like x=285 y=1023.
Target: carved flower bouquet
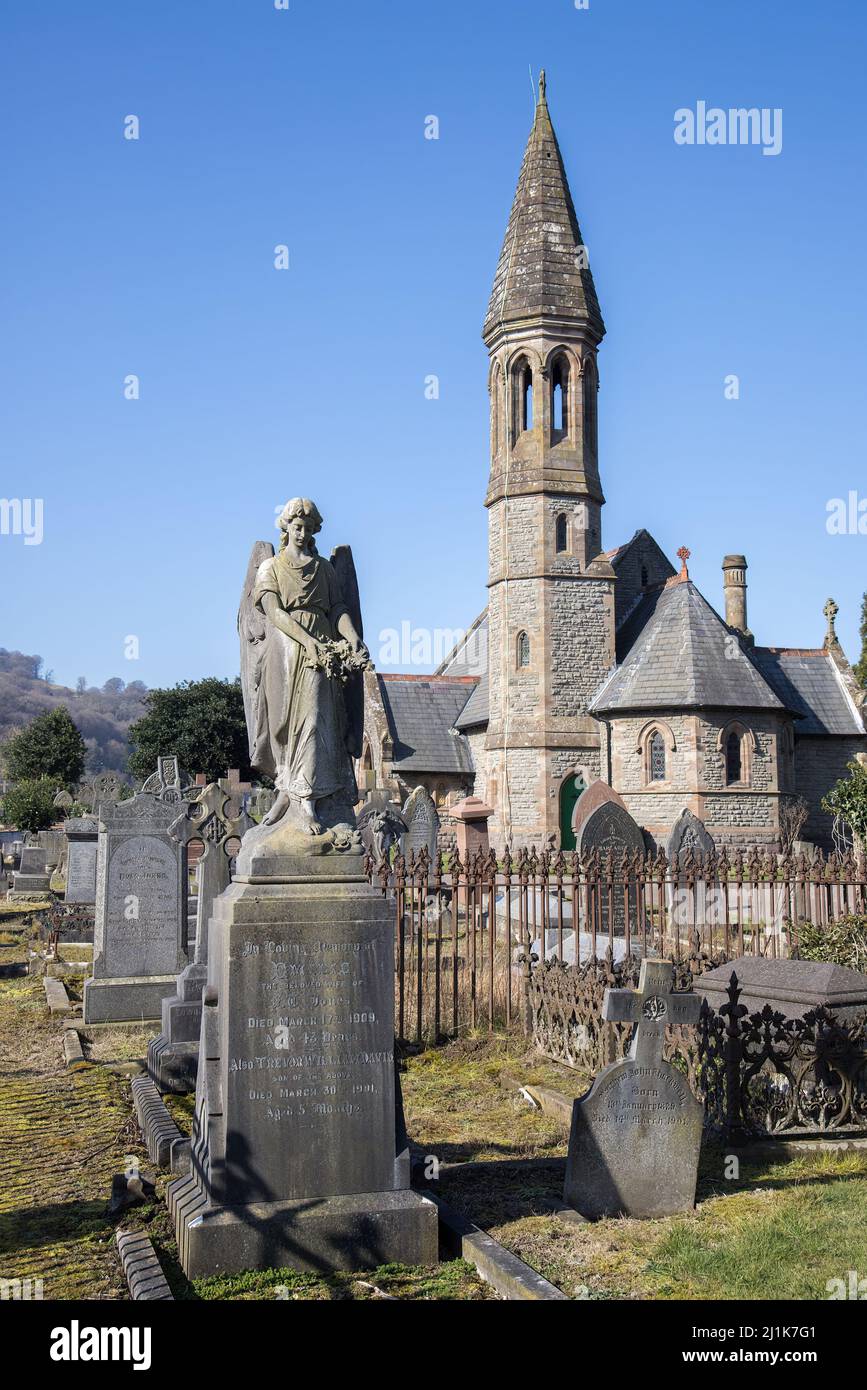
x=338 y=659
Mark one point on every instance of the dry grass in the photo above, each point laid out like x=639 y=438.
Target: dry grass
x=781 y=1230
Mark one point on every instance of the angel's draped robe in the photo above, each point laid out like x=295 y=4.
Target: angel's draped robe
x=300 y=712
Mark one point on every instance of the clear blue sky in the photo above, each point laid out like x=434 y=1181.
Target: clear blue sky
x=305 y=127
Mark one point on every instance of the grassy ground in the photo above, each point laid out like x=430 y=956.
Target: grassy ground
x=63 y=1134
x=777 y=1230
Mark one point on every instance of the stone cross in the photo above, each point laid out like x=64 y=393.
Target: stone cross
x=168 y=783
x=207 y=820
x=831 y=610
x=650 y=1008
x=683 y=555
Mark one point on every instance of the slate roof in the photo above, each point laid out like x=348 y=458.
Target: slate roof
x=688 y=667
x=538 y=271
x=475 y=711
x=679 y=660
x=808 y=682
x=469 y=656
x=420 y=715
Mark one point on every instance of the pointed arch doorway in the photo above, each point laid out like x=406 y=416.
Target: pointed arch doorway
x=571 y=790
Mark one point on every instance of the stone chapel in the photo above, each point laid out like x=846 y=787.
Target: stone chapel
x=592 y=665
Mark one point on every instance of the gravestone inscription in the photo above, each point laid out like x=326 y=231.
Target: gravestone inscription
x=299 y=1152
x=422 y=821
x=141 y=910
x=82 y=833
x=635 y=1137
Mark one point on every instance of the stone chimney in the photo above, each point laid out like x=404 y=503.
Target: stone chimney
x=734 y=569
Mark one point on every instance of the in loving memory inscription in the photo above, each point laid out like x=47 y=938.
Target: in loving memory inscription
x=315 y=1057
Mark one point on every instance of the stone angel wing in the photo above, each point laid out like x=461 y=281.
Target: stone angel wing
x=344 y=568
x=252 y=626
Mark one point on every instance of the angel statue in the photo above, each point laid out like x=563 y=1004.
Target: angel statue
x=302 y=659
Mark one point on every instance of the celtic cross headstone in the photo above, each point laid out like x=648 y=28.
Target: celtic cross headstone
x=635 y=1137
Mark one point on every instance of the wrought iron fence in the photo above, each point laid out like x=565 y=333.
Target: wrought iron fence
x=466 y=932
x=759 y=1074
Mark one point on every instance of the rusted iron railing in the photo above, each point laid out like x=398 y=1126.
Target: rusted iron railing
x=466 y=931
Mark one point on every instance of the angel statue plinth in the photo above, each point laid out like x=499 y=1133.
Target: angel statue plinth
x=302 y=664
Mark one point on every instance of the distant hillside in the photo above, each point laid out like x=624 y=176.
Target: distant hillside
x=103 y=715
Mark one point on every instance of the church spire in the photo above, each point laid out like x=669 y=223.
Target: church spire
x=543 y=270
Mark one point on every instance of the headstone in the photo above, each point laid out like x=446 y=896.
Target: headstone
x=236 y=790
x=422 y=822
x=32 y=878
x=790 y=987
x=104 y=787
x=381 y=825
x=169 y=782
x=141 y=910
x=54 y=844
x=471 y=818
x=597 y=794
x=635 y=1137
x=299 y=1155
x=263 y=800
x=173 y=1055
x=611 y=830
x=689 y=833
x=82 y=834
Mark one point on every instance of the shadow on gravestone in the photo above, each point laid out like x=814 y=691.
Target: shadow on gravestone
x=173 y=1056
x=635 y=1137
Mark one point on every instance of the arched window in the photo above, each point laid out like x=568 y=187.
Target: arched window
x=787 y=758
x=526 y=397
x=522 y=398
x=734 y=758
x=656 y=753
x=523 y=649
x=589 y=401
x=562 y=542
x=560 y=397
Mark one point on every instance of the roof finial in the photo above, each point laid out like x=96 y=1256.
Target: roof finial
x=543 y=87
x=831 y=610
x=683 y=555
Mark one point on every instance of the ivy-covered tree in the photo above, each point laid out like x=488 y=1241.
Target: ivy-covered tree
x=847 y=802
x=860 y=667
x=49 y=746
x=200 y=721
x=29 y=805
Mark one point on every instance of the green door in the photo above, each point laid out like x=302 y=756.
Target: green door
x=570 y=791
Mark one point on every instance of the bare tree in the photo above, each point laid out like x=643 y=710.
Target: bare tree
x=793 y=813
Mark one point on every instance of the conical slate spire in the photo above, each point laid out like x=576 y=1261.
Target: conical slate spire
x=541 y=271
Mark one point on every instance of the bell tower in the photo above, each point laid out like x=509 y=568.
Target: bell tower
x=551 y=591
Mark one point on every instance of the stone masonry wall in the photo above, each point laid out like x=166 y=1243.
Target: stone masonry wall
x=579 y=643
x=819 y=763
